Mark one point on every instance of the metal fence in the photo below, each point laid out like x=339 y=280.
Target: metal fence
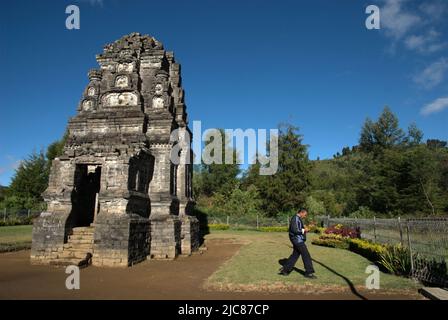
x=17 y=216
x=426 y=240
x=248 y=222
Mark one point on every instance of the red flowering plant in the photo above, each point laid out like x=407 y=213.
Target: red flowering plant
x=343 y=231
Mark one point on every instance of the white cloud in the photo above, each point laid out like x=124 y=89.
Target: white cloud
x=426 y=43
x=435 y=106
x=414 y=26
x=433 y=74
x=396 y=20
x=434 y=10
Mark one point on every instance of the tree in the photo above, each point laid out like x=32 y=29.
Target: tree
x=436 y=144
x=29 y=181
x=415 y=135
x=215 y=177
x=56 y=149
x=387 y=131
x=315 y=207
x=238 y=202
x=367 y=138
x=287 y=189
x=3 y=191
x=383 y=134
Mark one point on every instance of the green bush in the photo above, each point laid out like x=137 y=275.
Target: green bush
x=396 y=259
x=273 y=229
x=331 y=242
x=218 y=226
x=367 y=249
x=16 y=221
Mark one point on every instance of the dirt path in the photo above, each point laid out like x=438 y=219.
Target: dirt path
x=178 y=279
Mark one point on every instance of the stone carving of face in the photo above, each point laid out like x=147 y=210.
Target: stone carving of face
x=120 y=99
x=159 y=89
x=121 y=82
x=91 y=91
x=127 y=67
x=87 y=105
x=157 y=103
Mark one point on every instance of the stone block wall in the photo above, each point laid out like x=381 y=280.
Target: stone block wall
x=165 y=237
x=189 y=235
x=49 y=233
x=120 y=241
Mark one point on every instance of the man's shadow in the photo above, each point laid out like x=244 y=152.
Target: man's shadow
x=282 y=262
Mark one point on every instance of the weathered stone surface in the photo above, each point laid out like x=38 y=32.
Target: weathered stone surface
x=116 y=174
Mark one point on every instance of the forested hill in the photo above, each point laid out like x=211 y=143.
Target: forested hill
x=391 y=172
x=398 y=180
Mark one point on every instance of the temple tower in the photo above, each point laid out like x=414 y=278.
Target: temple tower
x=115 y=197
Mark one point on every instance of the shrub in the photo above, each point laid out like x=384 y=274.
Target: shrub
x=396 y=259
x=435 y=271
x=334 y=242
x=367 y=249
x=218 y=226
x=343 y=231
x=16 y=221
x=314 y=228
x=319 y=230
x=273 y=229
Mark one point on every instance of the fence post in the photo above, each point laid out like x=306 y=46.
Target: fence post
x=4 y=215
x=410 y=247
x=401 y=231
x=257 y=221
x=228 y=220
x=374 y=228
x=28 y=213
x=328 y=221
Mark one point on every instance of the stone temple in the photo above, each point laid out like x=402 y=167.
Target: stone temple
x=115 y=197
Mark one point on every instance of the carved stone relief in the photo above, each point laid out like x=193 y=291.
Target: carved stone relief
x=120 y=99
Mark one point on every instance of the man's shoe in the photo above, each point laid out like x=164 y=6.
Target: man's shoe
x=284 y=273
x=310 y=276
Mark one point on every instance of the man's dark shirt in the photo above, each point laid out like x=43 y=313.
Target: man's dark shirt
x=296 y=227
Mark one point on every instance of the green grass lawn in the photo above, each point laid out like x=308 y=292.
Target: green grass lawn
x=15 y=237
x=256 y=267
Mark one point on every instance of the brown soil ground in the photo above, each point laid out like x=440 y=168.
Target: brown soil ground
x=179 y=279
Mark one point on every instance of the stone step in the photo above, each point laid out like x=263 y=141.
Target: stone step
x=80 y=246
x=82 y=263
x=76 y=241
x=434 y=293
x=70 y=254
x=80 y=237
x=66 y=262
x=83 y=230
x=82 y=234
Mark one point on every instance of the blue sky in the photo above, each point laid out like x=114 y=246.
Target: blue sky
x=245 y=64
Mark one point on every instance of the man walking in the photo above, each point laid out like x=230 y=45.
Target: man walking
x=297 y=235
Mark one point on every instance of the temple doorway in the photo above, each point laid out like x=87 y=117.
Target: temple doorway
x=85 y=197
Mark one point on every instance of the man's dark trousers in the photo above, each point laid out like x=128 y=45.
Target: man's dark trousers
x=299 y=249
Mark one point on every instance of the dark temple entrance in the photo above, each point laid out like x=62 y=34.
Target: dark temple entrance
x=85 y=194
